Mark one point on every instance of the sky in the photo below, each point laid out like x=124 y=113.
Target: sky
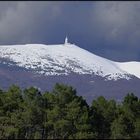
x=110 y=29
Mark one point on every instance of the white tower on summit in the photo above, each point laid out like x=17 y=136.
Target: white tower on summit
x=66 y=40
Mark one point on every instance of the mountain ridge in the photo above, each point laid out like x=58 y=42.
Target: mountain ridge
x=63 y=59
x=42 y=66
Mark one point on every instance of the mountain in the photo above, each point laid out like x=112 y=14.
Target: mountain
x=44 y=65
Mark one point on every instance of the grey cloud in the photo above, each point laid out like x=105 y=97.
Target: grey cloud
x=117 y=21
x=19 y=23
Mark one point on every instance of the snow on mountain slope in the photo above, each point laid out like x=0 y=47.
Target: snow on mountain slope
x=65 y=58
x=131 y=67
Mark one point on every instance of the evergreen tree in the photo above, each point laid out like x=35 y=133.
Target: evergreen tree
x=32 y=114
x=119 y=128
x=137 y=129
x=61 y=114
x=10 y=119
x=102 y=114
x=68 y=117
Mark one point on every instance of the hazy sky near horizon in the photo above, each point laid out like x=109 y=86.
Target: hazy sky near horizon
x=110 y=29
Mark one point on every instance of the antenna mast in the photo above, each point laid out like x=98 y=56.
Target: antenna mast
x=66 y=40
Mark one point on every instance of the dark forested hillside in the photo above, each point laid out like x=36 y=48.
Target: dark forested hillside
x=62 y=114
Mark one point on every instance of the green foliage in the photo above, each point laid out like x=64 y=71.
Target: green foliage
x=67 y=114
x=103 y=113
x=137 y=129
x=118 y=128
x=61 y=114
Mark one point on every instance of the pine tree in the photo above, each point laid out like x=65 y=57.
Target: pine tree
x=102 y=115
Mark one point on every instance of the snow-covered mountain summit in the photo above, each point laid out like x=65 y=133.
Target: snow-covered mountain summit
x=64 y=59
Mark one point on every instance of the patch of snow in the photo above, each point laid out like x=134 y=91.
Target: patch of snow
x=132 y=67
